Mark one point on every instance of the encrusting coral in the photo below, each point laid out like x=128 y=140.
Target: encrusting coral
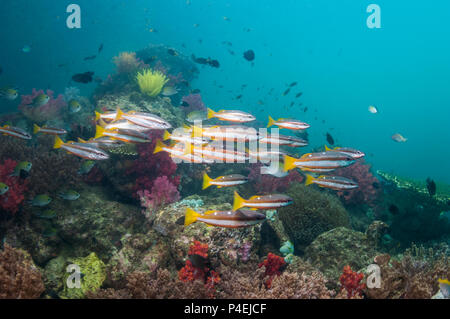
x=19 y=277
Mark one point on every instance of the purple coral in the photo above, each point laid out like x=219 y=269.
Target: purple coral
x=194 y=102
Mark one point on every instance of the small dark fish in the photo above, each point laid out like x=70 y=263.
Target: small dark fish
x=299 y=94
x=330 y=139
x=293 y=84
x=195 y=91
x=305 y=109
x=172 y=52
x=213 y=63
x=100 y=49
x=92 y=57
x=184 y=103
x=286 y=92
x=393 y=209
x=431 y=186
x=83 y=77
x=249 y=55
x=239 y=97
x=292 y=104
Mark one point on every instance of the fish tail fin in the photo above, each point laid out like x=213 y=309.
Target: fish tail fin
x=187 y=148
x=36 y=128
x=58 y=142
x=289 y=163
x=80 y=140
x=97 y=116
x=309 y=180
x=197 y=131
x=101 y=123
x=327 y=148
x=271 y=121
x=190 y=216
x=211 y=113
x=119 y=114
x=238 y=201
x=206 y=181
x=99 y=131
x=159 y=147
x=166 y=135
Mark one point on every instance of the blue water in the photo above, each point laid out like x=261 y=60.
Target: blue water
x=341 y=65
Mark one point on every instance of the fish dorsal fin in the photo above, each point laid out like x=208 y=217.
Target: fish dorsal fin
x=327 y=148
x=305 y=155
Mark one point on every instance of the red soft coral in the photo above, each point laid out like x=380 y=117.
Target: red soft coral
x=369 y=187
x=274 y=265
x=190 y=273
x=351 y=281
x=13 y=199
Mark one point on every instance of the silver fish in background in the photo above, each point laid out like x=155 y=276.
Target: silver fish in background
x=15 y=132
x=82 y=150
x=332 y=182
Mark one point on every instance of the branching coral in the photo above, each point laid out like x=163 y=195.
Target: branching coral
x=412 y=277
x=11 y=200
x=19 y=277
x=126 y=62
x=151 y=82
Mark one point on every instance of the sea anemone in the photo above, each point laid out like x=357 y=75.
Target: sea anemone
x=151 y=82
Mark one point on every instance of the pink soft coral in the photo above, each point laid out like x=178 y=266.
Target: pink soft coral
x=163 y=192
x=369 y=187
x=148 y=167
x=11 y=200
x=51 y=110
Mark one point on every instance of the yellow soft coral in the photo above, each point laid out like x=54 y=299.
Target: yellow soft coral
x=151 y=83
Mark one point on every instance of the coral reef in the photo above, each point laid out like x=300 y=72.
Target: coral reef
x=312 y=213
x=12 y=200
x=194 y=102
x=126 y=62
x=414 y=276
x=19 y=277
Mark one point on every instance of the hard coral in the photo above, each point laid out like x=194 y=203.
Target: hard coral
x=351 y=282
x=126 y=62
x=312 y=213
x=11 y=201
x=52 y=110
x=19 y=277
x=369 y=187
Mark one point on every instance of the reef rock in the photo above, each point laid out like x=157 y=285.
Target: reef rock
x=334 y=249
